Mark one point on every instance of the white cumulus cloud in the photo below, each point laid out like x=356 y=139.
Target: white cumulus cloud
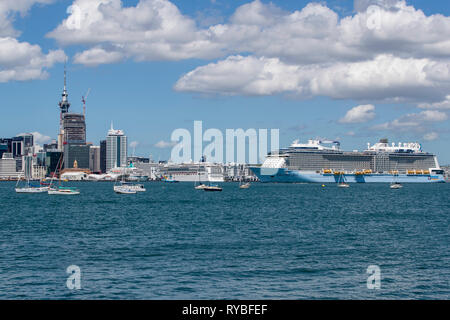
x=21 y=61
x=384 y=78
x=40 y=138
x=96 y=56
x=134 y=144
x=359 y=114
x=431 y=136
x=395 y=53
x=416 y=122
x=445 y=104
x=165 y=144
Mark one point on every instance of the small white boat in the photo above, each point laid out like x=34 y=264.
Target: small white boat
x=396 y=185
x=200 y=187
x=60 y=190
x=130 y=186
x=212 y=188
x=63 y=191
x=28 y=188
x=32 y=190
x=245 y=186
x=124 y=190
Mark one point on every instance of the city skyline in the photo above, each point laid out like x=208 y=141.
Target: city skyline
x=393 y=84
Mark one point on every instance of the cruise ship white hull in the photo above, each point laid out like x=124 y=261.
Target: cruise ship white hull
x=298 y=176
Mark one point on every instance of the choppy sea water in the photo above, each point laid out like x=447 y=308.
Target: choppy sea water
x=272 y=241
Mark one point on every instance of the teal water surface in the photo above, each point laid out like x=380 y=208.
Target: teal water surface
x=272 y=241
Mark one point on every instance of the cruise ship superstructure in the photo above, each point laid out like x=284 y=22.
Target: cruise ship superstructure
x=324 y=162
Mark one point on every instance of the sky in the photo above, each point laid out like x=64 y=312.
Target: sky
x=355 y=71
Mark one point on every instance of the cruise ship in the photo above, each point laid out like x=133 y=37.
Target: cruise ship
x=191 y=172
x=324 y=162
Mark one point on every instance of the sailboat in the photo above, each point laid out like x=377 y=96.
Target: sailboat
x=28 y=188
x=199 y=185
x=242 y=184
x=395 y=184
x=341 y=181
x=60 y=190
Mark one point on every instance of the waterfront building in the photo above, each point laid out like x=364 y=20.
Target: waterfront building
x=135 y=159
x=3 y=149
x=94 y=159
x=51 y=146
x=8 y=167
x=76 y=156
x=103 y=156
x=51 y=160
x=39 y=158
x=74 y=175
x=19 y=163
x=39 y=172
x=8 y=142
x=116 y=149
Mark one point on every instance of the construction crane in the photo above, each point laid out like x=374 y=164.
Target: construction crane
x=83 y=99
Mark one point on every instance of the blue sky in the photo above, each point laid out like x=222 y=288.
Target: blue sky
x=149 y=94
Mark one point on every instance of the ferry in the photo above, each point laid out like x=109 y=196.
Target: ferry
x=322 y=161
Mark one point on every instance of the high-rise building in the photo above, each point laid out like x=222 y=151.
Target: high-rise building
x=116 y=149
x=76 y=156
x=28 y=143
x=8 y=168
x=28 y=139
x=74 y=128
x=17 y=146
x=94 y=159
x=103 y=156
x=52 y=159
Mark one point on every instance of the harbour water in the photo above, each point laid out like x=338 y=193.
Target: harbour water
x=272 y=241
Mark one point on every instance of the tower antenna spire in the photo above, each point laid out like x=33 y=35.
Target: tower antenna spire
x=65 y=74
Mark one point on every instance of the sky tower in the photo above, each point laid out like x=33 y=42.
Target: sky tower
x=64 y=106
